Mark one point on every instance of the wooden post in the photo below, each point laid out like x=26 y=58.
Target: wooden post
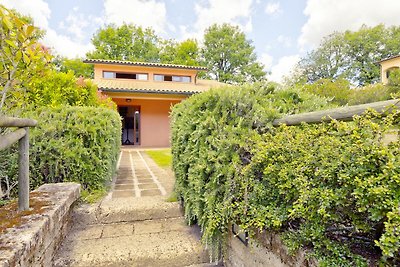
x=23 y=174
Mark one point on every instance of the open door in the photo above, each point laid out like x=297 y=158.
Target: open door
x=130 y=125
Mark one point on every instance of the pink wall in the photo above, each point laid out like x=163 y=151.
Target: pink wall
x=155 y=123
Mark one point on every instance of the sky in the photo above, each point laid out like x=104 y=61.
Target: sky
x=282 y=31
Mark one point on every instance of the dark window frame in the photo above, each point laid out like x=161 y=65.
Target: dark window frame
x=125 y=75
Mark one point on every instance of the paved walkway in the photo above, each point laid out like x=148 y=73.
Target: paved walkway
x=136 y=178
x=134 y=225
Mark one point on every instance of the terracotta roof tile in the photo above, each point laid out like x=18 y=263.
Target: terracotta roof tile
x=156 y=87
x=144 y=64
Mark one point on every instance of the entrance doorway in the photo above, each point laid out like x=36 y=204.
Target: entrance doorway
x=130 y=124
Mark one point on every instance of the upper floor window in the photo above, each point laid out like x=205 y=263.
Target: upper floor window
x=172 y=78
x=125 y=75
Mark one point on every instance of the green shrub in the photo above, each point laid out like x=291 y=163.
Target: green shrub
x=209 y=133
x=338 y=92
x=69 y=144
x=369 y=94
x=332 y=187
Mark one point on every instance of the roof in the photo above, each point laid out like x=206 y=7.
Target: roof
x=143 y=64
x=389 y=58
x=120 y=85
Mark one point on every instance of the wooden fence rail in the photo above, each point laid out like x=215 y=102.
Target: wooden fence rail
x=343 y=113
x=22 y=136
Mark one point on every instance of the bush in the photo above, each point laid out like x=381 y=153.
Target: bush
x=69 y=144
x=332 y=187
x=209 y=134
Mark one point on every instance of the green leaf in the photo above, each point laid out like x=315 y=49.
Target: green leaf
x=11 y=43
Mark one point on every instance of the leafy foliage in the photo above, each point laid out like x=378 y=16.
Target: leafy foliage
x=75 y=65
x=351 y=55
x=341 y=93
x=229 y=56
x=332 y=187
x=126 y=42
x=70 y=144
x=209 y=132
x=21 y=57
x=184 y=53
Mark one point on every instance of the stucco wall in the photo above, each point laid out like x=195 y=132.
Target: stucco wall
x=99 y=68
x=387 y=65
x=155 y=122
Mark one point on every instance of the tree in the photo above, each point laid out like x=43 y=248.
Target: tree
x=75 y=65
x=351 y=55
x=21 y=56
x=126 y=42
x=183 y=53
x=229 y=56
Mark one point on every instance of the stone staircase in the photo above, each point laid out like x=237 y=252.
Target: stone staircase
x=130 y=228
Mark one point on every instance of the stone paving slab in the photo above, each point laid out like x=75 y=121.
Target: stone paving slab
x=134 y=225
x=148 y=243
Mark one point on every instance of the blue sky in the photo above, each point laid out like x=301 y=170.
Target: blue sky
x=282 y=31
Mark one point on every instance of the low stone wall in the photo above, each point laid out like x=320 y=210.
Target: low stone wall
x=267 y=251
x=35 y=238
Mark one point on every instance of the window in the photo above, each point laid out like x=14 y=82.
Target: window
x=172 y=78
x=125 y=75
x=108 y=74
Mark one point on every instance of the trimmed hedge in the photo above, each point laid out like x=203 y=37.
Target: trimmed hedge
x=70 y=144
x=332 y=187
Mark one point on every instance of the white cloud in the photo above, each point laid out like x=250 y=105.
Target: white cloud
x=40 y=12
x=284 y=40
x=283 y=68
x=145 y=13
x=327 y=16
x=38 y=9
x=78 y=24
x=266 y=59
x=236 y=12
x=273 y=8
x=64 y=45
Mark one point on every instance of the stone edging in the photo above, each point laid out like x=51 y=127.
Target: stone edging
x=34 y=242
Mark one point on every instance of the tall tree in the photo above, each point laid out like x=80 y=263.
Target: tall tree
x=351 y=55
x=184 y=53
x=126 y=42
x=75 y=65
x=229 y=56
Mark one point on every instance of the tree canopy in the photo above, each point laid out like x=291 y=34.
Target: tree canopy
x=227 y=53
x=229 y=56
x=75 y=65
x=126 y=42
x=352 y=55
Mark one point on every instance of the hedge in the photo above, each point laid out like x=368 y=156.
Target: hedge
x=69 y=144
x=333 y=188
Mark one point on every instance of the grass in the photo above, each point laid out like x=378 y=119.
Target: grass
x=163 y=158
x=93 y=196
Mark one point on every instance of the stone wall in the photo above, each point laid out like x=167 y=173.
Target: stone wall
x=34 y=240
x=265 y=250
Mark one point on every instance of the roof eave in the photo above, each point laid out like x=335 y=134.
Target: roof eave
x=122 y=90
x=142 y=64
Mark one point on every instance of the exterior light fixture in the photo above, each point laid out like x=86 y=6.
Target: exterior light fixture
x=128 y=100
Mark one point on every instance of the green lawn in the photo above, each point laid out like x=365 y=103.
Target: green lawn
x=163 y=158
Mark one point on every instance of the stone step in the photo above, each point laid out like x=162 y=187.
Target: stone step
x=137 y=209
x=163 y=242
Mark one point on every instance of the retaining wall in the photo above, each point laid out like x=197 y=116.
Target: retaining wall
x=265 y=250
x=34 y=240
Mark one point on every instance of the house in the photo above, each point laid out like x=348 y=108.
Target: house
x=145 y=93
x=388 y=65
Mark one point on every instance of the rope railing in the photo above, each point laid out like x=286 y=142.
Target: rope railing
x=21 y=135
